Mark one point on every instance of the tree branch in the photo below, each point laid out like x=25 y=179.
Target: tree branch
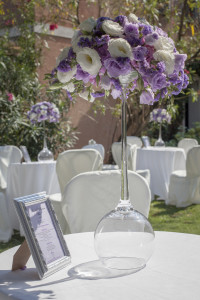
x=182 y=20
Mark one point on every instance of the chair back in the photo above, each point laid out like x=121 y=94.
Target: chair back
x=8 y=154
x=73 y=162
x=116 y=150
x=187 y=144
x=134 y=140
x=89 y=196
x=98 y=147
x=193 y=162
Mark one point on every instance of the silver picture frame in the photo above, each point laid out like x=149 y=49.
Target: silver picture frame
x=43 y=233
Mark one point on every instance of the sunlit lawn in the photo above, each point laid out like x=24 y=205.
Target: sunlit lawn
x=161 y=216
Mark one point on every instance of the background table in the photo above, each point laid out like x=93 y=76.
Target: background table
x=28 y=178
x=161 y=161
x=172 y=273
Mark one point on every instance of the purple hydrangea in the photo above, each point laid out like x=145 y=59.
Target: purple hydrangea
x=147 y=29
x=64 y=66
x=131 y=30
x=139 y=53
x=117 y=66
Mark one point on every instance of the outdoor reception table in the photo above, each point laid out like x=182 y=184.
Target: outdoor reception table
x=161 y=161
x=28 y=178
x=173 y=272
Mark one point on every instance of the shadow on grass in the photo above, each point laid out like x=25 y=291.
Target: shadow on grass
x=161 y=209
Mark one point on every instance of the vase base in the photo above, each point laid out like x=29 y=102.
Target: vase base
x=124 y=263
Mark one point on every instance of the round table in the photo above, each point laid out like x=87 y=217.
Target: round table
x=172 y=273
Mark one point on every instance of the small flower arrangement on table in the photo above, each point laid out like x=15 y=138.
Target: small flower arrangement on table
x=160 y=115
x=41 y=112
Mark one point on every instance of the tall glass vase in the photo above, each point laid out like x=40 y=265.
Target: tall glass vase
x=160 y=142
x=124 y=238
x=45 y=154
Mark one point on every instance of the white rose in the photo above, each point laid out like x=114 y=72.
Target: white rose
x=89 y=60
x=163 y=43
x=85 y=95
x=168 y=58
x=133 y=18
x=62 y=55
x=159 y=119
x=66 y=76
x=112 y=28
x=163 y=112
x=33 y=116
x=88 y=25
x=69 y=87
x=119 y=48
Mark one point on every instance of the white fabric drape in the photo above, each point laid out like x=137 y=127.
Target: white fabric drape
x=8 y=155
x=161 y=161
x=184 y=186
x=134 y=140
x=89 y=196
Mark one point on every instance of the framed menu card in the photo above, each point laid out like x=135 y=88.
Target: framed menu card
x=43 y=233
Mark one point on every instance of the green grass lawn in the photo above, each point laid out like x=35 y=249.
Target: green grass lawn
x=162 y=217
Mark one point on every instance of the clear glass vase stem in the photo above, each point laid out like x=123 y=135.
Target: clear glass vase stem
x=124 y=201
x=44 y=140
x=160 y=132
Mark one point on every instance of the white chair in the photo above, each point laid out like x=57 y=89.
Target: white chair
x=98 y=147
x=69 y=164
x=89 y=196
x=8 y=155
x=187 y=144
x=184 y=186
x=134 y=140
x=131 y=159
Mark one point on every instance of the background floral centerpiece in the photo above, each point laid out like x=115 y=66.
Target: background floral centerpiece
x=160 y=115
x=41 y=112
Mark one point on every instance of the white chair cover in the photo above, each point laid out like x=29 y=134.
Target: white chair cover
x=98 y=147
x=184 y=186
x=89 y=196
x=8 y=155
x=131 y=159
x=134 y=140
x=187 y=144
x=69 y=164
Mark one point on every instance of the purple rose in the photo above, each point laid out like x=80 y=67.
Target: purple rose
x=118 y=66
x=147 y=97
x=139 y=53
x=158 y=81
x=179 y=61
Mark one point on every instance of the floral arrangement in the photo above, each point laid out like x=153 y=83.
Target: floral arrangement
x=44 y=111
x=160 y=115
x=106 y=49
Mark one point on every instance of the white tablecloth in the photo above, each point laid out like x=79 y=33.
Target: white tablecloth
x=172 y=273
x=29 y=178
x=161 y=161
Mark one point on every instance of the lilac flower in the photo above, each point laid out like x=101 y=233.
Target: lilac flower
x=122 y=20
x=98 y=94
x=139 y=53
x=147 y=97
x=64 y=66
x=82 y=75
x=133 y=41
x=161 y=67
x=118 y=66
x=132 y=30
x=84 y=42
x=146 y=30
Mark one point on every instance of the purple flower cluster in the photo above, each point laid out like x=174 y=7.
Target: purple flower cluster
x=43 y=111
x=160 y=115
x=139 y=48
